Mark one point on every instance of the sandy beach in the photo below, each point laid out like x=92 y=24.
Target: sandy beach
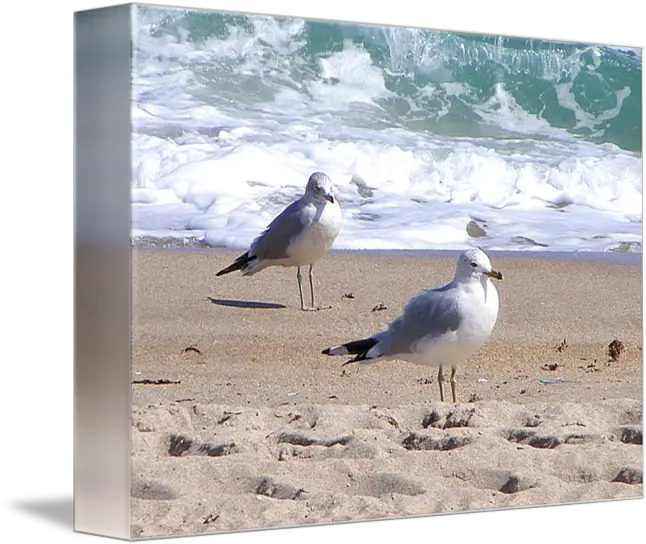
x=239 y=422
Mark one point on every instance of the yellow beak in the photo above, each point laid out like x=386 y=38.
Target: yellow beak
x=495 y=275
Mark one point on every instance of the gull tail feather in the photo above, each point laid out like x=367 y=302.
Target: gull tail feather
x=358 y=348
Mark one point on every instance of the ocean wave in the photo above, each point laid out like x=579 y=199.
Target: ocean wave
x=433 y=139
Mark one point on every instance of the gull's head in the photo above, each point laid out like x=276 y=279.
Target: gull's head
x=319 y=188
x=474 y=264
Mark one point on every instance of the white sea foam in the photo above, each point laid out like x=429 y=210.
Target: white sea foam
x=394 y=196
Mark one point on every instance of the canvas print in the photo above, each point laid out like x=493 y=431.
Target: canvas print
x=379 y=272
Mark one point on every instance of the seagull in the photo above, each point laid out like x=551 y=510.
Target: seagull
x=299 y=236
x=438 y=326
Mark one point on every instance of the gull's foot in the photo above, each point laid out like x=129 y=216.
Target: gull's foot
x=316 y=308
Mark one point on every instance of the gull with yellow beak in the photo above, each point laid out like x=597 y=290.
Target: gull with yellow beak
x=439 y=326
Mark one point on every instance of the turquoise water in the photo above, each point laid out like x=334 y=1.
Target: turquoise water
x=435 y=81
x=433 y=139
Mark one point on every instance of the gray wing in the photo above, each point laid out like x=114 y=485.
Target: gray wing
x=274 y=241
x=431 y=313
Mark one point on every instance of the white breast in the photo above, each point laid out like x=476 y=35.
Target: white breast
x=480 y=312
x=479 y=308
x=318 y=237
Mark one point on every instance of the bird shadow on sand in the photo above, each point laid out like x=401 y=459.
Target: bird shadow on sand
x=246 y=304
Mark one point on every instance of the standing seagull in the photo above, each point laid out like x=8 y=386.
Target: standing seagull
x=299 y=236
x=443 y=325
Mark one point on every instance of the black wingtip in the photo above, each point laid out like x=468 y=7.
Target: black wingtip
x=234 y=266
x=239 y=264
x=228 y=270
x=326 y=351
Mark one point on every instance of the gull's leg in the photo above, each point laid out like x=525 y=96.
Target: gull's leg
x=299 y=277
x=440 y=381
x=452 y=380
x=312 y=285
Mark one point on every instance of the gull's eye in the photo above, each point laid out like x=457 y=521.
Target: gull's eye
x=474 y=264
